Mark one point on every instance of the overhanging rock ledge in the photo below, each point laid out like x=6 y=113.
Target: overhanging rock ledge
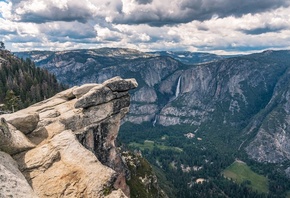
x=65 y=146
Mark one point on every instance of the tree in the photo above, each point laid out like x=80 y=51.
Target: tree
x=2 y=46
x=11 y=101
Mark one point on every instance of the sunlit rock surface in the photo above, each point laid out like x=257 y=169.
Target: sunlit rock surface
x=65 y=146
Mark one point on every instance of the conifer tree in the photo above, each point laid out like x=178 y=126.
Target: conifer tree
x=11 y=101
x=2 y=46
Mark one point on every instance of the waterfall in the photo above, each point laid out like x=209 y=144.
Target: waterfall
x=177 y=91
x=155 y=120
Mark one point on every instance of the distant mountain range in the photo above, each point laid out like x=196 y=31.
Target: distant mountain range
x=242 y=100
x=190 y=57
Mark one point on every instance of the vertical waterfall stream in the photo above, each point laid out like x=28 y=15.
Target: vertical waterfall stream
x=177 y=91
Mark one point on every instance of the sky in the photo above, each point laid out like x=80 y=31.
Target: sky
x=214 y=26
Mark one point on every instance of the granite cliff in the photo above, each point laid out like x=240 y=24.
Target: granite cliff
x=65 y=146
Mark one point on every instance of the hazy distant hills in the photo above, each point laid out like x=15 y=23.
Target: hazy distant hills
x=189 y=57
x=242 y=100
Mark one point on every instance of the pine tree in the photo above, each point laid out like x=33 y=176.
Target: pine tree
x=11 y=101
x=2 y=46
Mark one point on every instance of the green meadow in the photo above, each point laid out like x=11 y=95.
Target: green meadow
x=240 y=172
x=148 y=144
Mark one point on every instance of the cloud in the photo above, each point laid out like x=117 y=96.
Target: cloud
x=183 y=11
x=262 y=30
x=40 y=11
x=26 y=39
x=154 y=13
x=205 y=9
x=199 y=25
x=7 y=28
x=144 y=1
x=72 y=30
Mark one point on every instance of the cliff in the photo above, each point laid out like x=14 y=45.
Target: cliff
x=65 y=146
x=272 y=126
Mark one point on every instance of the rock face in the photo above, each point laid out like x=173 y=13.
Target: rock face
x=65 y=146
x=151 y=69
x=272 y=126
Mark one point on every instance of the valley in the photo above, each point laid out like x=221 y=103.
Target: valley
x=231 y=107
x=145 y=99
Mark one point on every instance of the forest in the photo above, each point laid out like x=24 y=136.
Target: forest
x=22 y=83
x=193 y=166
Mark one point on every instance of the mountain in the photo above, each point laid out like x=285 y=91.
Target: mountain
x=22 y=83
x=236 y=106
x=189 y=58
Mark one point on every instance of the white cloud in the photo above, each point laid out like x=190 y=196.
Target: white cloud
x=144 y=37
x=30 y=29
x=145 y=24
x=32 y=6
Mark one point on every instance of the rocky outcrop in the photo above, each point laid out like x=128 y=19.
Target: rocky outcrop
x=65 y=146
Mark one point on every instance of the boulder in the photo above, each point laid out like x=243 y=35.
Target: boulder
x=24 y=122
x=12 y=141
x=97 y=95
x=80 y=91
x=119 y=84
